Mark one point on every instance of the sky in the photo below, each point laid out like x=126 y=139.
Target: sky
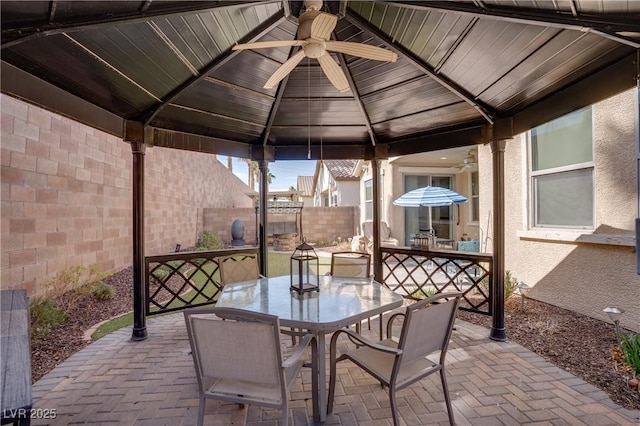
x=285 y=172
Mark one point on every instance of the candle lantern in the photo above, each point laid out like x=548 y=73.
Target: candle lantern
x=304 y=269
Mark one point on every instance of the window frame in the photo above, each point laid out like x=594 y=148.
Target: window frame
x=368 y=203
x=533 y=175
x=474 y=199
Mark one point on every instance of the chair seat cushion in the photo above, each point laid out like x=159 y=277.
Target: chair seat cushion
x=262 y=392
x=380 y=364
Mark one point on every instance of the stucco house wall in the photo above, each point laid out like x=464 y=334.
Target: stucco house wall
x=393 y=187
x=584 y=271
x=348 y=193
x=67 y=200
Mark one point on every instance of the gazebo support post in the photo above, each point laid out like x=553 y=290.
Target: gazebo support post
x=263 y=165
x=139 y=317
x=497 y=328
x=377 y=254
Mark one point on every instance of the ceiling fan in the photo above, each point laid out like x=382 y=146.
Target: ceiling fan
x=314 y=30
x=468 y=163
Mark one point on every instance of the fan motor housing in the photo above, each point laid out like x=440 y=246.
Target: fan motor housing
x=313 y=49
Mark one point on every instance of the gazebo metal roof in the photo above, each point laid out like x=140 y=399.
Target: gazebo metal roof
x=467 y=73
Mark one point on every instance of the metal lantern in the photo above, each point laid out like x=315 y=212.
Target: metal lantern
x=304 y=277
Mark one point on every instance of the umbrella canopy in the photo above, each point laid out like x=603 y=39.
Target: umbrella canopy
x=430 y=196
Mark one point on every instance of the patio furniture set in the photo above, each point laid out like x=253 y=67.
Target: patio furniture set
x=253 y=312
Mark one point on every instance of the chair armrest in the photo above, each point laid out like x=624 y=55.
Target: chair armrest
x=366 y=342
x=297 y=354
x=390 y=322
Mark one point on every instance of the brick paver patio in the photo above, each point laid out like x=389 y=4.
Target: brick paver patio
x=115 y=381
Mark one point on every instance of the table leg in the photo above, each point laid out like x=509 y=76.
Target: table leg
x=314 y=380
x=322 y=378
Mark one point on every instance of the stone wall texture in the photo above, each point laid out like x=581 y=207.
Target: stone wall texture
x=318 y=223
x=67 y=199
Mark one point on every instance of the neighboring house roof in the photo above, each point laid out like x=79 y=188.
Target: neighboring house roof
x=305 y=186
x=342 y=169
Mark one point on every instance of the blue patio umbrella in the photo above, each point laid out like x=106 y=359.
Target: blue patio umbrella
x=430 y=196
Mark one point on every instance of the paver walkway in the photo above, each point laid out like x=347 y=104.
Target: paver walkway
x=116 y=381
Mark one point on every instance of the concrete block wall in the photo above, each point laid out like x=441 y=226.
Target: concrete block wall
x=179 y=185
x=329 y=223
x=318 y=223
x=219 y=220
x=66 y=196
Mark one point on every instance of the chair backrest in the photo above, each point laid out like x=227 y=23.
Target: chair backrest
x=427 y=327
x=350 y=264
x=367 y=230
x=244 y=347
x=471 y=245
x=238 y=267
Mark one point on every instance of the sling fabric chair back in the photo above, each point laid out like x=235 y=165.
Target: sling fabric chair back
x=239 y=359
x=426 y=330
x=238 y=267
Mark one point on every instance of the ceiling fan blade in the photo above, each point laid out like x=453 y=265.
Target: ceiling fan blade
x=284 y=69
x=323 y=25
x=362 y=50
x=333 y=72
x=267 y=44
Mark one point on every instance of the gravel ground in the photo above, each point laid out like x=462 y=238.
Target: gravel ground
x=573 y=342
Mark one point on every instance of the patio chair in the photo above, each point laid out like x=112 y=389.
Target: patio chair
x=397 y=364
x=238 y=267
x=470 y=245
x=467 y=273
x=240 y=360
x=385 y=235
x=243 y=267
x=351 y=264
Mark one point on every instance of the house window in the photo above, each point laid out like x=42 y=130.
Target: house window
x=562 y=172
x=475 y=198
x=368 y=199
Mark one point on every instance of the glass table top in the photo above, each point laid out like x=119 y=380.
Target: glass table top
x=339 y=302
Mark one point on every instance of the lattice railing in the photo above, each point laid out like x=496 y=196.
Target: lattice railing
x=416 y=273
x=183 y=280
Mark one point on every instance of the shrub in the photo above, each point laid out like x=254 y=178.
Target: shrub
x=70 y=285
x=421 y=294
x=45 y=315
x=209 y=241
x=630 y=347
x=103 y=291
x=510 y=285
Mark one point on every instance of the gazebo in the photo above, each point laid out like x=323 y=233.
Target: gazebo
x=165 y=74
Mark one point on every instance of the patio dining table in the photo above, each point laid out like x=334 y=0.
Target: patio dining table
x=340 y=302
